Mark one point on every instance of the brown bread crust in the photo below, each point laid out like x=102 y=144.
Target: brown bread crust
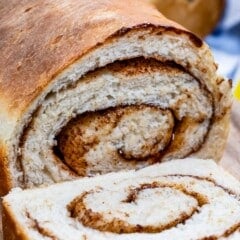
x=40 y=39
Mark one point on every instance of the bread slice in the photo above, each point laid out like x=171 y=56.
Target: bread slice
x=86 y=59
x=181 y=199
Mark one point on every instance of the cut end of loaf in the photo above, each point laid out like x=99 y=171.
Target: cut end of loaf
x=138 y=132
x=183 y=199
x=133 y=136
x=127 y=115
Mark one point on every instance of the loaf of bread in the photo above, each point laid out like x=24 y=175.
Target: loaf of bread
x=91 y=87
x=199 y=16
x=185 y=199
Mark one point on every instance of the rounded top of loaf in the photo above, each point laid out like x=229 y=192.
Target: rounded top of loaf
x=40 y=39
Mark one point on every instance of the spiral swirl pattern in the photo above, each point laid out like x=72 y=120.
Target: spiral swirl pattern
x=156 y=206
x=181 y=199
x=125 y=217
x=146 y=111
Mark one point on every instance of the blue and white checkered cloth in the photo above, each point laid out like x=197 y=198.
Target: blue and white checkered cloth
x=225 y=41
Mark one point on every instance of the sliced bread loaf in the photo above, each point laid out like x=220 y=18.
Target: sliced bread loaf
x=102 y=86
x=182 y=199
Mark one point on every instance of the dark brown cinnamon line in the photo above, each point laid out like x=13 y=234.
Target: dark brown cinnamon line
x=95 y=220
x=132 y=196
x=226 y=234
x=232 y=229
x=227 y=190
x=119 y=112
x=41 y=230
x=46 y=233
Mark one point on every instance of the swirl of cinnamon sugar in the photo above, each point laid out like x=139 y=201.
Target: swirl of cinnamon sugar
x=125 y=136
x=158 y=205
x=188 y=199
x=117 y=218
x=126 y=115
x=134 y=135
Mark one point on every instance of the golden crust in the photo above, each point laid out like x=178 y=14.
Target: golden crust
x=39 y=40
x=11 y=229
x=215 y=142
x=5 y=176
x=88 y=217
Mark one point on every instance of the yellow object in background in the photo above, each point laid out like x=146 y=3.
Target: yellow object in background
x=236 y=91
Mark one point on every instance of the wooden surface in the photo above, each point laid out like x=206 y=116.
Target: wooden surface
x=231 y=158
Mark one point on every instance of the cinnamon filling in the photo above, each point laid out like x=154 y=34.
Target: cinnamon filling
x=126 y=115
x=151 y=207
x=129 y=134
x=135 y=135
x=119 y=219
